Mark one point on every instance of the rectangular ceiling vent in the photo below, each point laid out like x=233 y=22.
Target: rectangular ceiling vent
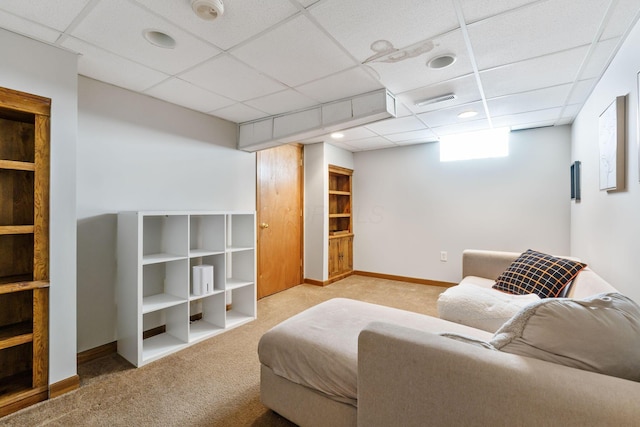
x=435 y=100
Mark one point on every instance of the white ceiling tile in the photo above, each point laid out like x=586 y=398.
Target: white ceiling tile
x=535 y=30
x=20 y=25
x=462 y=128
x=424 y=135
x=280 y=102
x=413 y=72
x=581 y=90
x=389 y=126
x=599 y=59
x=564 y=121
x=340 y=85
x=241 y=20
x=228 y=77
x=284 y=54
x=357 y=24
x=465 y=88
x=540 y=99
x=357 y=133
x=402 y=110
x=449 y=116
x=307 y=3
x=56 y=14
x=624 y=14
x=186 y=94
x=118 y=26
x=536 y=73
x=474 y=10
x=107 y=67
x=238 y=113
x=374 y=143
x=528 y=119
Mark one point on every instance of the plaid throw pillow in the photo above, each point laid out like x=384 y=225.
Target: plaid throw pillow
x=537 y=273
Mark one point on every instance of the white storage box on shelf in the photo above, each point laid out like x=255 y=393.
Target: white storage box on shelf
x=159 y=311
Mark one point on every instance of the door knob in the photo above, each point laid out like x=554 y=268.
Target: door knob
x=264 y=225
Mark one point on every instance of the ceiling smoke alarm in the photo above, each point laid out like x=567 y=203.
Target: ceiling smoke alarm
x=208 y=9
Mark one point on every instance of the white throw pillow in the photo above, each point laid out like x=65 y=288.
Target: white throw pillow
x=479 y=307
x=599 y=334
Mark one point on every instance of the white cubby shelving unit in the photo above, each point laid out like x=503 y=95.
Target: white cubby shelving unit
x=158 y=314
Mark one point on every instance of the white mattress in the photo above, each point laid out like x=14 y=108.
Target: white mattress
x=318 y=348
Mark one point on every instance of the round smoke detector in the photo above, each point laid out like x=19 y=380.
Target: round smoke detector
x=208 y=9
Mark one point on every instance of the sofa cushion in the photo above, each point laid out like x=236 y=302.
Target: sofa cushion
x=600 y=334
x=538 y=273
x=480 y=307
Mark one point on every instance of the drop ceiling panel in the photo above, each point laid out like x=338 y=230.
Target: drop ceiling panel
x=279 y=102
x=624 y=14
x=357 y=24
x=471 y=126
x=536 y=73
x=22 y=26
x=118 y=25
x=240 y=21
x=538 y=118
x=340 y=85
x=294 y=53
x=374 y=143
x=184 y=93
x=239 y=113
x=599 y=59
x=56 y=14
x=449 y=116
x=228 y=77
x=402 y=124
x=413 y=72
x=474 y=10
x=529 y=101
x=424 y=135
x=580 y=91
x=116 y=70
x=535 y=30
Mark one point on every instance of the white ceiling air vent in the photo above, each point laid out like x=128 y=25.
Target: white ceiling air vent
x=208 y=9
x=434 y=100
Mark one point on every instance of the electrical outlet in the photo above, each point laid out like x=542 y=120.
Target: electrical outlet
x=443 y=256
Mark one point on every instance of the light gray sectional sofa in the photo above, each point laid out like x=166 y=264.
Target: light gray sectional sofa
x=348 y=363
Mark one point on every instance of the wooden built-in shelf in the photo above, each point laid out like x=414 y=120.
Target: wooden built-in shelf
x=15 y=284
x=16 y=229
x=340 y=193
x=24 y=249
x=16 y=334
x=17 y=166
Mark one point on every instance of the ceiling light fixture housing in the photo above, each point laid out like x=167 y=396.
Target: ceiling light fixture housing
x=337 y=135
x=159 y=38
x=208 y=9
x=442 y=61
x=467 y=114
x=436 y=99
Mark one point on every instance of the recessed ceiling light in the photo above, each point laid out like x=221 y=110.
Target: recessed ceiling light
x=467 y=114
x=160 y=39
x=337 y=135
x=441 y=61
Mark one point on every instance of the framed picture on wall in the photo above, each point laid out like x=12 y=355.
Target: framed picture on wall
x=611 y=140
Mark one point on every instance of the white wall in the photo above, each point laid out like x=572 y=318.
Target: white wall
x=605 y=227
x=140 y=153
x=317 y=158
x=40 y=69
x=409 y=206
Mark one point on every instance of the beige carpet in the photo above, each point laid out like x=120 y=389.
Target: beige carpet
x=212 y=383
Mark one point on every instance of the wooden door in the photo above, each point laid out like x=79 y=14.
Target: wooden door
x=279 y=205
